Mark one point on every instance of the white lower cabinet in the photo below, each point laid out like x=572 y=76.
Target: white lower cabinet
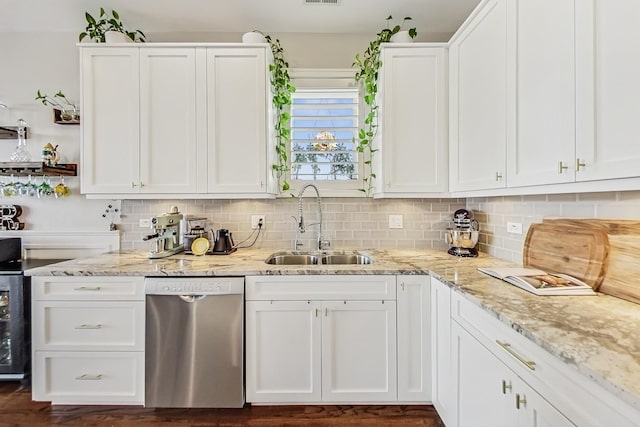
x=443 y=387
x=486 y=374
x=88 y=340
x=283 y=351
x=490 y=394
x=414 y=338
x=321 y=339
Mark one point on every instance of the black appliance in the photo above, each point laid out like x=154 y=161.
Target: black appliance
x=15 y=309
x=223 y=243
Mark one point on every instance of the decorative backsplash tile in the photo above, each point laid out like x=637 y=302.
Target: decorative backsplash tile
x=347 y=222
x=364 y=223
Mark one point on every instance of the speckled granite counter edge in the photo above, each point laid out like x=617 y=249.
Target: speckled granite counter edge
x=575 y=347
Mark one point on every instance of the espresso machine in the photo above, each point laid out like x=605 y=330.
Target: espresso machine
x=166 y=229
x=462 y=234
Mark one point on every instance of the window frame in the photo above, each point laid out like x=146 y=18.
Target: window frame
x=325 y=78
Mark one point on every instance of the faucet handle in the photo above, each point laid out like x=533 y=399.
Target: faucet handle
x=323 y=244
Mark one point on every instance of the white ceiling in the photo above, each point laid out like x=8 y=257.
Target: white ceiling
x=271 y=16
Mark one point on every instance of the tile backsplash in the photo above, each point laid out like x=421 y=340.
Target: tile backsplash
x=347 y=222
x=364 y=223
x=493 y=214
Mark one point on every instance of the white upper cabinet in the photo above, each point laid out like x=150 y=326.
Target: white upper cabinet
x=169 y=147
x=176 y=121
x=139 y=122
x=412 y=160
x=551 y=84
x=110 y=120
x=478 y=88
x=608 y=90
x=541 y=148
x=237 y=120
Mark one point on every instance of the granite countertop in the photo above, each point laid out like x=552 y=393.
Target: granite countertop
x=596 y=335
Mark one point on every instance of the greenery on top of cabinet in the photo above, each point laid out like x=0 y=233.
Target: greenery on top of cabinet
x=368 y=64
x=97 y=27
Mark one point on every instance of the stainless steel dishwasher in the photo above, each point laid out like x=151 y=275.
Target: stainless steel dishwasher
x=194 y=342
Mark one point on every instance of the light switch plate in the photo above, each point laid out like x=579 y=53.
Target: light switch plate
x=395 y=221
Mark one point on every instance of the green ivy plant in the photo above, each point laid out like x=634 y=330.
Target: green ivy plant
x=97 y=27
x=368 y=65
x=281 y=89
x=59 y=101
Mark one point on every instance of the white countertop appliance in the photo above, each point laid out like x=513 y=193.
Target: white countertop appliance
x=462 y=234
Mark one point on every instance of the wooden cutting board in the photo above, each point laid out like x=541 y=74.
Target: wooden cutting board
x=580 y=252
x=622 y=274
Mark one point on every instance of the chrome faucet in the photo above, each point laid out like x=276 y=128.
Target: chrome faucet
x=322 y=243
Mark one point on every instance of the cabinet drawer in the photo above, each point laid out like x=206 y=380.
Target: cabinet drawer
x=290 y=288
x=114 y=326
x=89 y=378
x=87 y=288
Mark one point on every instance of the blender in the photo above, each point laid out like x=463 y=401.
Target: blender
x=462 y=234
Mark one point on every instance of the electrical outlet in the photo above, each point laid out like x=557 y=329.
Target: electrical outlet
x=255 y=219
x=145 y=223
x=395 y=221
x=514 y=227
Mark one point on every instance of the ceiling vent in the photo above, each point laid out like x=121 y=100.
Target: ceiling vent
x=334 y=2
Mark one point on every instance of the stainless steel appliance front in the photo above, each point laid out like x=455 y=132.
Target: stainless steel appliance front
x=194 y=342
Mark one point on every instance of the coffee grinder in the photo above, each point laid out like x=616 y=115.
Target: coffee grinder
x=462 y=234
x=194 y=228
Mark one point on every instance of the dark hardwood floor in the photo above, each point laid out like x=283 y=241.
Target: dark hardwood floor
x=17 y=409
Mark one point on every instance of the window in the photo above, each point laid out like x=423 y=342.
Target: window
x=324 y=122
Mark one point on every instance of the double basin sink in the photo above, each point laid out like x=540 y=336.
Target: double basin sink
x=318 y=258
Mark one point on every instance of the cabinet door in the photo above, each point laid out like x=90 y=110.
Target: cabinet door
x=609 y=90
x=444 y=391
x=413 y=149
x=485 y=386
x=414 y=339
x=283 y=351
x=110 y=120
x=237 y=132
x=359 y=351
x=169 y=147
x=533 y=410
x=543 y=137
x=479 y=78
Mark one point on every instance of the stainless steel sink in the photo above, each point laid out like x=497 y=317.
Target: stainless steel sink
x=346 y=259
x=316 y=258
x=292 y=259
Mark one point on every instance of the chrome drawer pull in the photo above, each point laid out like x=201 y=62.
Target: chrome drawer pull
x=87 y=288
x=528 y=363
x=98 y=326
x=87 y=377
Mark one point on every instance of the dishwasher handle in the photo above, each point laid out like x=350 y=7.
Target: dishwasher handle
x=191 y=298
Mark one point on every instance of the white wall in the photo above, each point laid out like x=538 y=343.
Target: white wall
x=49 y=62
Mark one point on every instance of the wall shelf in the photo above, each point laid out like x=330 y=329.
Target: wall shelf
x=37 y=168
x=11 y=132
x=57 y=118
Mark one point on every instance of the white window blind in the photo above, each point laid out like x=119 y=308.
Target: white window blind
x=324 y=123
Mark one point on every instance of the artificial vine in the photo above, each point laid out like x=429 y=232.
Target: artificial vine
x=368 y=65
x=282 y=89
